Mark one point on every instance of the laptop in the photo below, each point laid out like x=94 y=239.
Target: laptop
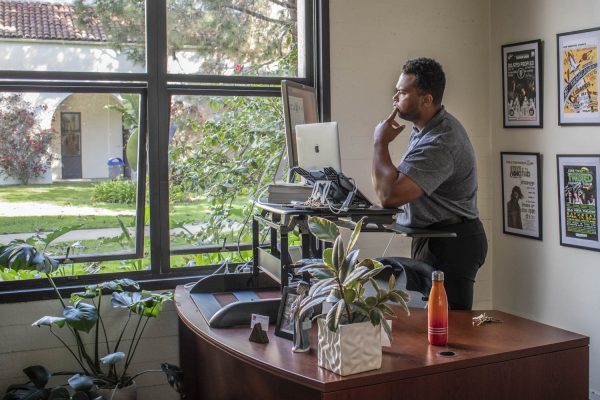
x=318 y=146
x=318 y=149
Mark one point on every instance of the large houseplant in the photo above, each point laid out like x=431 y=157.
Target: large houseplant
x=105 y=361
x=341 y=280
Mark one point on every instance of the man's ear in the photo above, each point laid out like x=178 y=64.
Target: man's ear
x=428 y=100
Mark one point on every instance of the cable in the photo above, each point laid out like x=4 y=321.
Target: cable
x=388 y=245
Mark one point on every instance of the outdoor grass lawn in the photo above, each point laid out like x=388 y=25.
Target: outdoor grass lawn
x=80 y=194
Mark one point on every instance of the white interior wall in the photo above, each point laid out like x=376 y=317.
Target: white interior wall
x=370 y=41
x=543 y=280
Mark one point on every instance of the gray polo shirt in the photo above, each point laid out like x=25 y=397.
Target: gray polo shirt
x=440 y=159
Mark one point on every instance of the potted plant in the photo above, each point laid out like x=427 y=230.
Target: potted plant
x=105 y=363
x=350 y=332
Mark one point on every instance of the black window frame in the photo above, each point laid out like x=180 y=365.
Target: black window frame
x=156 y=88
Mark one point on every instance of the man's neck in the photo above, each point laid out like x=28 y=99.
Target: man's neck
x=426 y=117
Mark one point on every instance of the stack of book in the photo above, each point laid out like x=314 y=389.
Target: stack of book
x=285 y=193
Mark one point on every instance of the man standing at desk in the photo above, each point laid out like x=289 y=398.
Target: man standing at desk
x=436 y=181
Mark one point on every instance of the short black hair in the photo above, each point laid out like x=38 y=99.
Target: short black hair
x=429 y=77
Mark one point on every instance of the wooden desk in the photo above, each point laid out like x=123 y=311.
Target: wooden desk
x=517 y=359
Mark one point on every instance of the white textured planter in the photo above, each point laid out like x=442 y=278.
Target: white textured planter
x=126 y=393
x=352 y=349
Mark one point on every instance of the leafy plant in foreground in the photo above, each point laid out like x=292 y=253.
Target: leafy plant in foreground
x=342 y=279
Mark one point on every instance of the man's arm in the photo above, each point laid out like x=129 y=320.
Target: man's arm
x=392 y=187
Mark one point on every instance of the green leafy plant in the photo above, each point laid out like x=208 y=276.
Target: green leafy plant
x=117 y=191
x=107 y=361
x=341 y=280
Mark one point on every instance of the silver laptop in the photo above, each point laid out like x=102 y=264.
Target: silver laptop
x=318 y=146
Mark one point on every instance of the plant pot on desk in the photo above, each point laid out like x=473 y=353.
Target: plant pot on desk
x=124 y=393
x=353 y=348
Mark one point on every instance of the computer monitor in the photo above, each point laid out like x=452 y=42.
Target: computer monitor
x=299 y=107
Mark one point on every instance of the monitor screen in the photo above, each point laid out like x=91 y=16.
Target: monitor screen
x=299 y=107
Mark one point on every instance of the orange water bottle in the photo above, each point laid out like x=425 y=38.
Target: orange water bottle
x=437 y=311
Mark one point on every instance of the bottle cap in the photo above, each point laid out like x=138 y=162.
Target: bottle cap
x=437 y=275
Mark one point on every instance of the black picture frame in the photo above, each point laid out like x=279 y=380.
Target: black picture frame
x=578 y=176
x=577 y=57
x=521 y=194
x=285 y=319
x=522 y=85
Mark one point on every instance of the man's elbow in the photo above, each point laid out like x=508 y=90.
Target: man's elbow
x=387 y=200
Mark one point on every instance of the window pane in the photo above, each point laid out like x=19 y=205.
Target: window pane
x=237 y=37
x=68 y=164
x=223 y=152
x=77 y=35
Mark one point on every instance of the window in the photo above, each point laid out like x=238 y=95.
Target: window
x=157 y=123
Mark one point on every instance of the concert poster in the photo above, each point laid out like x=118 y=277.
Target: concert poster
x=578 y=77
x=522 y=97
x=578 y=193
x=521 y=190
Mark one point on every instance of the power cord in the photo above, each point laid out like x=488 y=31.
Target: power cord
x=388 y=245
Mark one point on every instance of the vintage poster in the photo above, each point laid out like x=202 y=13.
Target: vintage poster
x=521 y=194
x=522 y=97
x=578 y=190
x=578 y=86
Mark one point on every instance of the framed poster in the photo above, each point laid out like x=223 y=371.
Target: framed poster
x=577 y=194
x=522 y=84
x=521 y=194
x=578 y=77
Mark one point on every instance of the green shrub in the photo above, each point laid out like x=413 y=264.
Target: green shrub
x=115 y=191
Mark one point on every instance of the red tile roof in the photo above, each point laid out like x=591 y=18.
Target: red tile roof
x=46 y=21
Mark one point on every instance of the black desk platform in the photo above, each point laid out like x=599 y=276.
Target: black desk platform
x=275 y=260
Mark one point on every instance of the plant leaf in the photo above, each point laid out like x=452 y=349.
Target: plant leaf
x=323 y=229
x=81 y=382
x=18 y=255
x=355 y=234
x=375 y=316
x=113 y=358
x=174 y=376
x=371 y=301
x=371 y=274
x=387 y=328
x=330 y=317
x=305 y=306
x=337 y=256
x=348 y=264
x=321 y=273
x=49 y=321
x=356 y=274
x=327 y=254
x=38 y=375
x=340 y=310
x=317 y=286
x=81 y=317
x=386 y=310
x=125 y=299
x=349 y=295
x=392 y=282
x=56 y=233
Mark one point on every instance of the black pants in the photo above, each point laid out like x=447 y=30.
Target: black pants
x=459 y=258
